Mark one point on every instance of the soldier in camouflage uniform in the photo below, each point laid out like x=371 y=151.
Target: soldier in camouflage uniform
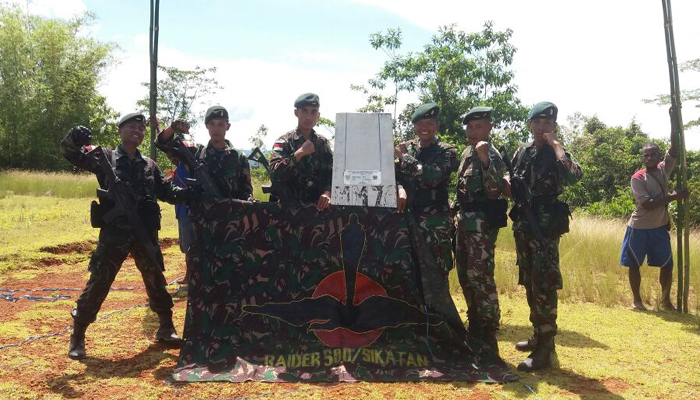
x=423 y=170
x=479 y=214
x=117 y=239
x=546 y=168
x=301 y=163
x=228 y=167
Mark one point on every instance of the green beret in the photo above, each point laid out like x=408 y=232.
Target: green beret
x=138 y=117
x=543 y=109
x=307 y=99
x=478 y=112
x=428 y=110
x=216 y=112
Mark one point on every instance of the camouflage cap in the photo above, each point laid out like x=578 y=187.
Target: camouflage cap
x=307 y=99
x=216 y=112
x=477 y=112
x=427 y=110
x=543 y=109
x=136 y=116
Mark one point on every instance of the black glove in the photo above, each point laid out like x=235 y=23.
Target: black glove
x=82 y=136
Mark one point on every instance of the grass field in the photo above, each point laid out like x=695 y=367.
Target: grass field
x=605 y=351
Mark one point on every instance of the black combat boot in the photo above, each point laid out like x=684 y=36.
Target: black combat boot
x=493 y=357
x=527 y=345
x=166 y=331
x=542 y=356
x=76 y=349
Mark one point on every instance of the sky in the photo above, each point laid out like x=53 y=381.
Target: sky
x=596 y=57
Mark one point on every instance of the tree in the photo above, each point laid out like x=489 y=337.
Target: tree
x=608 y=156
x=49 y=73
x=257 y=140
x=691 y=95
x=181 y=92
x=457 y=70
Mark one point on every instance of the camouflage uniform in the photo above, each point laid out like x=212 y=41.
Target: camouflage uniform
x=116 y=240
x=304 y=180
x=228 y=168
x=425 y=175
x=475 y=239
x=539 y=262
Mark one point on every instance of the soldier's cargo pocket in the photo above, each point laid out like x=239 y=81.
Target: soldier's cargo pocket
x=96 y=213
x=563 y=214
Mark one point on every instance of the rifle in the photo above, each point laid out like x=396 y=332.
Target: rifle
x=258 y=156
x=521 y=195
x=125 y=203
x=196 y=168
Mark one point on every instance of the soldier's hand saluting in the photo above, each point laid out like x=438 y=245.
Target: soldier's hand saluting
x=482 y=150
x=306 y=149
x=551 y=139
x=400 y=150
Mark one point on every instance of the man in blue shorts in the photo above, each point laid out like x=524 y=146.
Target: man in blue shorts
x=647 y=230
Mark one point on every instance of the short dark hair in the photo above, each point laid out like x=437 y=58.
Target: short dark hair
x=650 y=145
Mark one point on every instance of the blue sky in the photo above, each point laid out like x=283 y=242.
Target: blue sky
x=595 y=56
x=265 y=29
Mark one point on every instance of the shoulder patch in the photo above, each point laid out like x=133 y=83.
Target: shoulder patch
x=279 y=145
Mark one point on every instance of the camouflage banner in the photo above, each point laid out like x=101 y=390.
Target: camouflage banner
x=290 y=294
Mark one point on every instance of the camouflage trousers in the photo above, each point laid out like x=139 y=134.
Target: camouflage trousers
x=113 y=247
x=539 y=272
x=475 y=268
x=436 y=228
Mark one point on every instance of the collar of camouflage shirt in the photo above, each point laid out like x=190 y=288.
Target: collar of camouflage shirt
x=298 y=135
x=122 y=153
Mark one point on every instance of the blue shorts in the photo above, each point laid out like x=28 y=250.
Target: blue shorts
x=652 y=243
x=185 y=232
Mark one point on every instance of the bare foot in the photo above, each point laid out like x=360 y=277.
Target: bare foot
x=638 y=306
x=666 y=305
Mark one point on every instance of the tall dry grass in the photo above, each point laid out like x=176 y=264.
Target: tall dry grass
x=589 y=261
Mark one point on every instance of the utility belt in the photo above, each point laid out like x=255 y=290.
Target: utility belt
x=494 y=210
x=148 y=211
x=559 y=212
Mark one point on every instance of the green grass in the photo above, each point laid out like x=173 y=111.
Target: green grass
x=66 y=185
x=30 y=223
x=39 y=209
x=56 y=184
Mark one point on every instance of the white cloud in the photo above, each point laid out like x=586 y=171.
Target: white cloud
x=255 y=92
x=64 y=9
x=599 y=56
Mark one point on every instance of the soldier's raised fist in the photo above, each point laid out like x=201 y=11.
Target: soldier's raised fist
x=308 y=147
x=82 y=136
x=180 y=125
x=482 y=150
